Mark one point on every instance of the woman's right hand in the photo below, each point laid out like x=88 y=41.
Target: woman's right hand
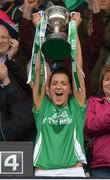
x=76 y=16
x=36 y=18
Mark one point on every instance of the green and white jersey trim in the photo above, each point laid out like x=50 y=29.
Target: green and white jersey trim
x=77 y=149
x=37 y=148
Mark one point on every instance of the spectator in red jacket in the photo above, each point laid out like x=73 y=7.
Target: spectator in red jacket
x=97 y=126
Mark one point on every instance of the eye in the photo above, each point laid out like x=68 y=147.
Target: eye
x=106 y=79
x=64 y=83
x=53 y=83
x=4 y=37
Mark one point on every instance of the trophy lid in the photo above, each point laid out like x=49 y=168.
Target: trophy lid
x=56 y=46
x=57 y=15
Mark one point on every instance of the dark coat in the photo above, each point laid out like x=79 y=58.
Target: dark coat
x=17 y=121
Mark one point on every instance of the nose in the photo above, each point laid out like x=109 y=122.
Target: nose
x=58 y=85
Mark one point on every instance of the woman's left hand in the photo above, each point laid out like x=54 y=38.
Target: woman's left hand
x=76 y=16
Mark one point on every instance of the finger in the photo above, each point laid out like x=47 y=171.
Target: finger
x=14 y=42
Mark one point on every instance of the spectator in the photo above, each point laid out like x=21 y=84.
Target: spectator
x=98 y=127
x=17 y=121
x=13 y=9
x=91 y=33
x=105 y=49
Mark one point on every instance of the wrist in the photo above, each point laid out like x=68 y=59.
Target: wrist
x=6 y=81
x=9 y=56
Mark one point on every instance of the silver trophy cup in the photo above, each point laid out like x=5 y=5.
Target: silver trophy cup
x=56 y=46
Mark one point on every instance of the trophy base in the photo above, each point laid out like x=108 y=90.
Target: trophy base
x=56 y=47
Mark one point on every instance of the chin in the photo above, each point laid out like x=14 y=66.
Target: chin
x=59 y=104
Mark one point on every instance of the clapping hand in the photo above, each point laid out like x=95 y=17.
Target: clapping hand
x=4 y=74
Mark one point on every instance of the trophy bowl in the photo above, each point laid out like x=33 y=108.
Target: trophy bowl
x=56 y=46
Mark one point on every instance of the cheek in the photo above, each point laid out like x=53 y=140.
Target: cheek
x=104 y=86
x=51 y=90
x=7 y=42
x=7 y=47
x=105 y=83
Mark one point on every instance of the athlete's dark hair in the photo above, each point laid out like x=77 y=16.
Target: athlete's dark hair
x=61 y=71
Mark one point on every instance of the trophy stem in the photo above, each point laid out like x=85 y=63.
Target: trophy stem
x=56 y=28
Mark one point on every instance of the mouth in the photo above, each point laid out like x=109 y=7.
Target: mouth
x=2 y=46
x=108 y=87
x=59 y=93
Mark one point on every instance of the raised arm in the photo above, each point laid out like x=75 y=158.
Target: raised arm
x=36 y=96
x=80 y=94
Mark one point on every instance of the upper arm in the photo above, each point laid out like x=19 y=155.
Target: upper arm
x=37 y=97
x=81 y=93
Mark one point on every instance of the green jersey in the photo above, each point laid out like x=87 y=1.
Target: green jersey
x=59 y=142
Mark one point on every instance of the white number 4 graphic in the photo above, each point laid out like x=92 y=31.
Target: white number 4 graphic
x=13 y=163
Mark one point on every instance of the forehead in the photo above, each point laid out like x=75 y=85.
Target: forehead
x=107 y=74
x=59 y=77
x=3 y=30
